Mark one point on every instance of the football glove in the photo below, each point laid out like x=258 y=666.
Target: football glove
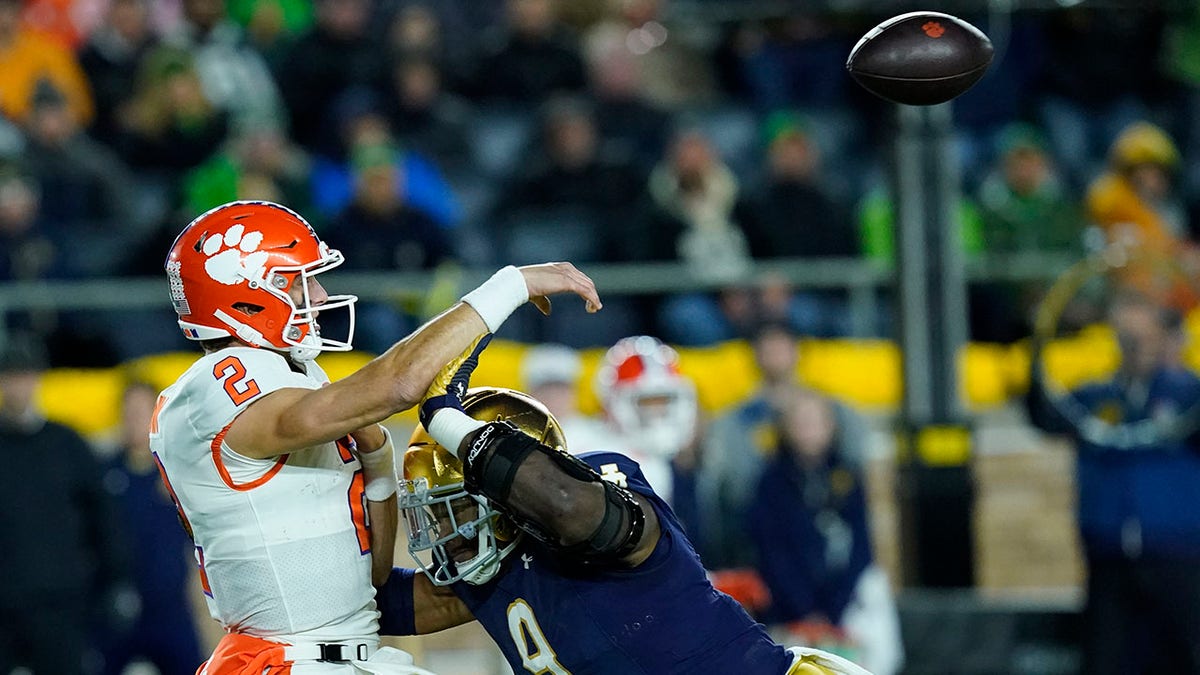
x=451 y=383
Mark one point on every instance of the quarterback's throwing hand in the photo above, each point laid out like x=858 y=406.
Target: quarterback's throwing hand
x=559 y=277
x=452 y=381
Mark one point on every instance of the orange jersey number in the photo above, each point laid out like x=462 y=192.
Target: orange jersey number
x=233 y=372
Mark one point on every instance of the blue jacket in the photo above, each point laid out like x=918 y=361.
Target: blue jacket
x=1135 y=498
x=811 y=537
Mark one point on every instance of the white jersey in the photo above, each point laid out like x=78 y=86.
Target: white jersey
x=282 y=543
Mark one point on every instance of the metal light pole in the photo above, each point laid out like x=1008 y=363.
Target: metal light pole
x=933 y=478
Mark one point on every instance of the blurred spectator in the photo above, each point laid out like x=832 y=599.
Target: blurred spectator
x=785 y=62
x=92 y=189
x=27 y=58
x=688 y=215
x=258 y=160
x=235 y=77
x=417 y=33
x=26 y=251
x=1090 y=91
x=1025 y=207
x=808 y=521
x=654 y=61
x=111 y=60
x=69 y=22
x=359 y=121
x=64 y=567
x=741 y=441
x=533 y=59
x=425 y=117
x=794 y=215
x=635 y=127
x=164 y=634
x=1136 y=477
x=690 y=209
x=1136 y=203
x=171 y=125
x=338 y=53
x=551 y=374
x=272 y=25
x=379 y=231
x=573 y=173
x=1023 y=201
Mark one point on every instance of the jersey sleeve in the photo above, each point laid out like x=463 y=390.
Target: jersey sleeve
x=621 y=470
x=229 y=381
x=394 y=600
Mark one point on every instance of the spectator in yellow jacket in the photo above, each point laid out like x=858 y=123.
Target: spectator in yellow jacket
x=27 y=58
x=1136 y=204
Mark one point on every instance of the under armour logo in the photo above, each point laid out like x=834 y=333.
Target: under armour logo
x=459 y=389
x=526 y=558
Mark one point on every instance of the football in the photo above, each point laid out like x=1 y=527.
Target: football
x=920 y=58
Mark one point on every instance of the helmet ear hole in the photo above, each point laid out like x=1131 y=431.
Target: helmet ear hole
x=248 y=309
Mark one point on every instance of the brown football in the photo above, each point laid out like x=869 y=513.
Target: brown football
x=920 y=58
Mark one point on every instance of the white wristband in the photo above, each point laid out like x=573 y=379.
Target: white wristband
x=379 y=469
x=499 y=296
x=449 y=427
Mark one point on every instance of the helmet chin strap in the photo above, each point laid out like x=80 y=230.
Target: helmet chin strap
x=307 y=350
x=242 y=331
x=485 y=573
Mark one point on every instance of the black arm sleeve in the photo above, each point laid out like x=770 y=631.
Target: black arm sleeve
x=553 y=496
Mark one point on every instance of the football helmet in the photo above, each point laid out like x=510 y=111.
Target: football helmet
x=441 y=518
x=648 y=399
x=232 y=273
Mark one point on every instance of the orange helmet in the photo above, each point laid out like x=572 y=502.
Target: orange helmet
x=231 y=271
x=650 y=401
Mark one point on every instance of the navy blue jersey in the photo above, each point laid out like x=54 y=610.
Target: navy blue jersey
x=662 y=617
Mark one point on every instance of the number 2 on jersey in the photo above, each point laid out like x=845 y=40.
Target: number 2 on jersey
x=536 y=654
x=233 y=372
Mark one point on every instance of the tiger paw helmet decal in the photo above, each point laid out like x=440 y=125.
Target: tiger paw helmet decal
x=234 y=256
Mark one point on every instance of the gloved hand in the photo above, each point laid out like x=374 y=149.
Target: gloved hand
x=450 y=385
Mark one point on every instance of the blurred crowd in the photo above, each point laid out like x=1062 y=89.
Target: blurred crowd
x=421 y=136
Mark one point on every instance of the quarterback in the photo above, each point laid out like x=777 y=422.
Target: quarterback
x=284 y=481
x=573 y=565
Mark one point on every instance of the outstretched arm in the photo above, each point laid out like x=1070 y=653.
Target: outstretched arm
x=292 y=419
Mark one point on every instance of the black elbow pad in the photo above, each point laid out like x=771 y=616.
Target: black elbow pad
x=619 y=531
x=491 y=464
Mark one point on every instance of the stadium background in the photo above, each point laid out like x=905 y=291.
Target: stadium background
x=108 y=147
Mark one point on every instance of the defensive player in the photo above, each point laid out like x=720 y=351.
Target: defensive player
x=284 y=481
x=596 y=577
